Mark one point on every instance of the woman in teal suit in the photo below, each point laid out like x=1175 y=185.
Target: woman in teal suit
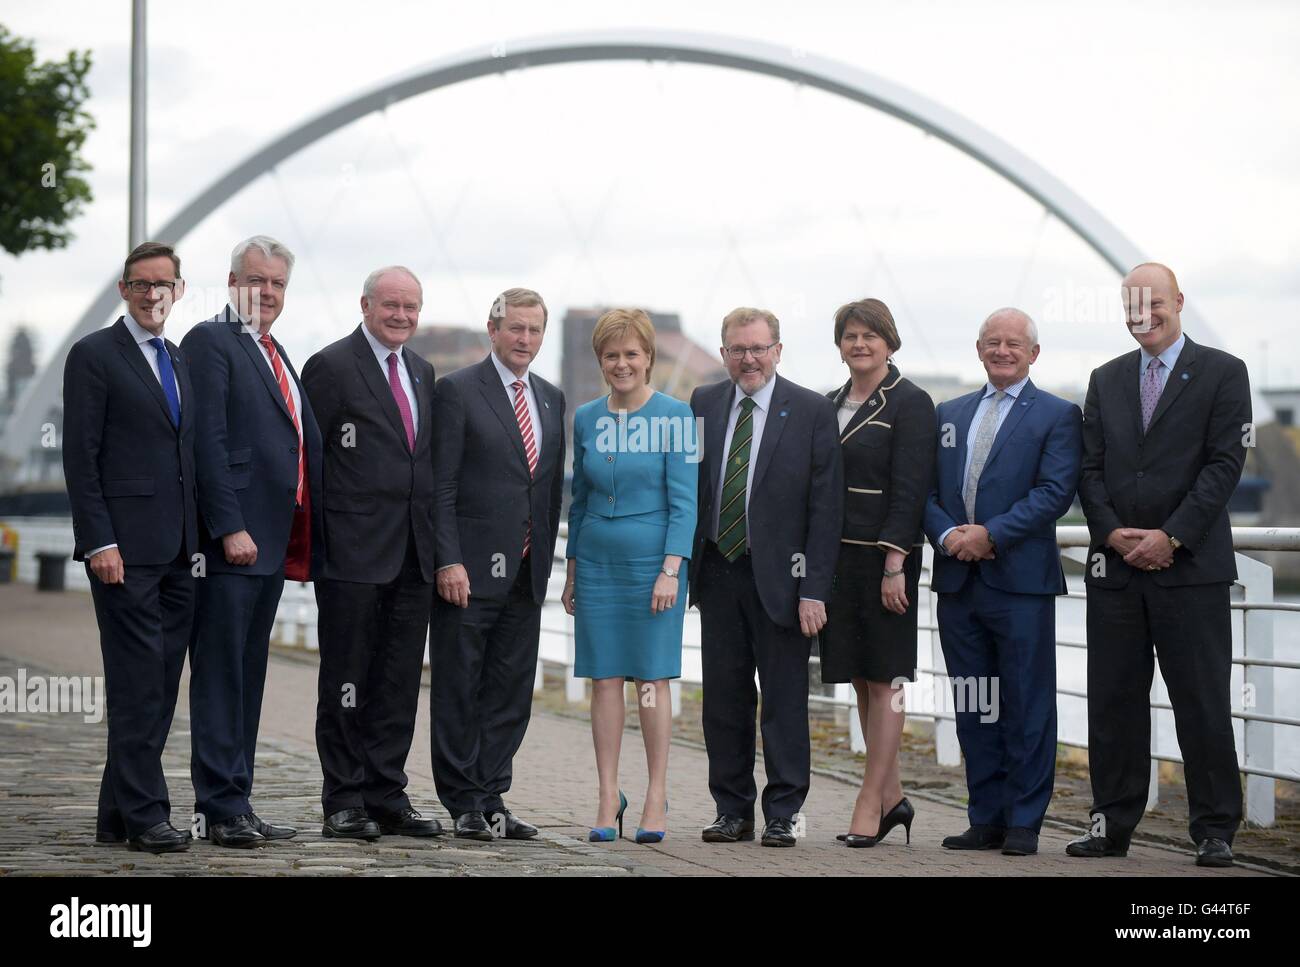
x=631 y=523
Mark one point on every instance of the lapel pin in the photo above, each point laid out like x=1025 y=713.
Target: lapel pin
x=416 y=378
x=546 y=404
x=782 y=413
x=1187 y=375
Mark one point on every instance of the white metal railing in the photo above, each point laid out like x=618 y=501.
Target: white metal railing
x=1257 y=720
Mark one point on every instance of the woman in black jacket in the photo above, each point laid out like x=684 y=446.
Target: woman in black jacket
x=887 y=437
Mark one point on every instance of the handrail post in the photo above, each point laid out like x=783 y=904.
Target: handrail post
x=1256 y=581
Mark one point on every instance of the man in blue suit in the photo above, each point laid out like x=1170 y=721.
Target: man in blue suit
x=259 y=463
x=1009 y=458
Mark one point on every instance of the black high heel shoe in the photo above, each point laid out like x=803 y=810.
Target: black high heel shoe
x=901 y=815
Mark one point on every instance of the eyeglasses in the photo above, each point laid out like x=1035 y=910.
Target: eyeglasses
x=141 y=286
x=758 y=352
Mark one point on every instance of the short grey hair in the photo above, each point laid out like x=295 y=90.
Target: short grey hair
x=372 y=280
x=517 y=296
x=268 y=246
x=1030 y=326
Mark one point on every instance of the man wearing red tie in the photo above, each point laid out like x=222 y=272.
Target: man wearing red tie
x=258 y=459
x=372 y=397
x=498 y=477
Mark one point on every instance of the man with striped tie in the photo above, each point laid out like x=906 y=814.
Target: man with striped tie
x=128 y=458
x=373 y=398
x=259 y=465
x=767 y=540
x=498 y=479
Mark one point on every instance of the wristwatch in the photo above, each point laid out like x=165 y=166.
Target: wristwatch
x=669 y=571
x=1175 y=543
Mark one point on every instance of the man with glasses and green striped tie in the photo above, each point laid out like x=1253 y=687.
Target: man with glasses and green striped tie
x=770 y=514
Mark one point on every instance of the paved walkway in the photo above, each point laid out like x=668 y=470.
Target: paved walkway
x=50 y=766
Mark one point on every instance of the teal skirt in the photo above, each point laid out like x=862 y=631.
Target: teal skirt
x=616 y=635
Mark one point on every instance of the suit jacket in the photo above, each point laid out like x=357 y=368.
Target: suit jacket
x=888 y=450
x=796 y=500
x=484 y=497
x=1178 y=475
x=247 y=449
x=129 y=471
x=376 y=491
x=1027 y=484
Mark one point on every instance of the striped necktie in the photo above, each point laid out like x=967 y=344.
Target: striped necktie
x=282 y=378
x=530 y=444
x=731 y=518
x=979 y=455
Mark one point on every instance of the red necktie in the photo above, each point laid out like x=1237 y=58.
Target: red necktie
x=403 y=404
x=282 y=378
x=530 y=443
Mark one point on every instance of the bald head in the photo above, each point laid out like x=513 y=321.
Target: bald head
x=1152 y=306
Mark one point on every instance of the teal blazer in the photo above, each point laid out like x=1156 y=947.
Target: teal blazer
x=648 y=463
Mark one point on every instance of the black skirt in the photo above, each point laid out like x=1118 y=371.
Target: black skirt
x=861 y=638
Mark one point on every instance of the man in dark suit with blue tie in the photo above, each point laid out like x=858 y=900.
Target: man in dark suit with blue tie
x=373 y=398
x=259 y=463
x=128 y=459
x=767 y=540
x=498 y=476
x=1165 y=432
x=1008 y=464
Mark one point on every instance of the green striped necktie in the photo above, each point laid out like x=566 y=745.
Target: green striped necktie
x=731 y=519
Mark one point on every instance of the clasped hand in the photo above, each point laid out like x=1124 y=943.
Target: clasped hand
x=969 y=542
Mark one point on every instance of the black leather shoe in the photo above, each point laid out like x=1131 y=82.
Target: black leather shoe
x=472 y=825
x=1213 y=852
x=270 y=831
x=350 y=823
x=1095 y=847
x=977 y=837
x=408 y=822
x=729 y=829
x=162 y=838
x=779 y=832
x=513 y=826
x=236 y=832
x=1020 y=842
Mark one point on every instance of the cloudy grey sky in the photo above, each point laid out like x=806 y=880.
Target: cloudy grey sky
x=695 y=189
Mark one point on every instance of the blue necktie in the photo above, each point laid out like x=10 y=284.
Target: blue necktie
x=167 y=377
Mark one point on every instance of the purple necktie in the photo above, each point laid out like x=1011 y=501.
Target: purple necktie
x=1150 y=391
x=403 y=404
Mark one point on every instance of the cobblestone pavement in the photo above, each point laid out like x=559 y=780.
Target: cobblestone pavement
x=50 y=766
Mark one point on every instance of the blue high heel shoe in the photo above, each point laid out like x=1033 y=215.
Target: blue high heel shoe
x=645 y=836
x=607 y=834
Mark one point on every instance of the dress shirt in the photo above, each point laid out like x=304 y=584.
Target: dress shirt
x=382 y=353
x=293 y=383
x=509 y=378
x=758 y=418
x=1008 y=401
x=1169 y=357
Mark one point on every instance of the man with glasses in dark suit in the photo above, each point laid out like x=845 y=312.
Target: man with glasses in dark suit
x=771 y=510
x=128 y=458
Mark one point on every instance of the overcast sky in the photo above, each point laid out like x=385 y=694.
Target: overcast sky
x=695 y=189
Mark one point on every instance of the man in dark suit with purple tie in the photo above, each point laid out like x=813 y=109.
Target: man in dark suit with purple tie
x=373 y=399
x=1165 y=432
x=128 y=458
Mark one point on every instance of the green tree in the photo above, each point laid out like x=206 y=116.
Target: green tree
x=42 y=129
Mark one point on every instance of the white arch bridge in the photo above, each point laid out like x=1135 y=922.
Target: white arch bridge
x=23 y=428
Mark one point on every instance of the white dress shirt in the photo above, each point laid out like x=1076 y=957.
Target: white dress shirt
x=758 y=418
x=293 y=383
x=382 y=353
x=509 y=378
x=1004 y=407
